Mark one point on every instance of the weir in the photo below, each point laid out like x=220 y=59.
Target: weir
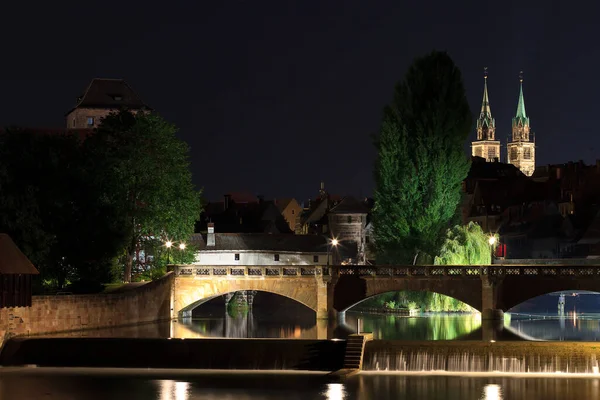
x=472 y=357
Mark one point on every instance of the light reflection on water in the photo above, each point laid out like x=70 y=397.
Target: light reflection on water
x=184 y=385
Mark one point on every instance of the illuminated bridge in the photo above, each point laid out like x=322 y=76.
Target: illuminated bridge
x=331 y=290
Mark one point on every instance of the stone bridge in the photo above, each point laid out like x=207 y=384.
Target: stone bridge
x=330 y=290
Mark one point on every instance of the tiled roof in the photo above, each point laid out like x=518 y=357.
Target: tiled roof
x=12 y=260
x=264 y=242
x=283 y=203
x=110 y=93
x=349 y=205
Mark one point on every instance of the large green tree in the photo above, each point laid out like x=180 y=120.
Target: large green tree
x=49 y=208
x=146 y=178
x=421 y=161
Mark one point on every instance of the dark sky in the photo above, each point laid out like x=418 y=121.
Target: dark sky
x=275 y=96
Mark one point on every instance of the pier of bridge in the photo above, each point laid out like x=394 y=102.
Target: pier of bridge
x=331 y=290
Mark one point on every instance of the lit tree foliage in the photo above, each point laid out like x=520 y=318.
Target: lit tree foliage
x=421 y=162
x=146 y=177
x=465 y=245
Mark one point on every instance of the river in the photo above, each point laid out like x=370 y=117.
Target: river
x=541 y=322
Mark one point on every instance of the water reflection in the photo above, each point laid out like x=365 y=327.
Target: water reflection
x=550 y=326
x=492 y=392
x=430 y=326
x=335 y=391
x=173 y=390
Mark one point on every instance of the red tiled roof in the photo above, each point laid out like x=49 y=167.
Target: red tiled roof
x=12 y=260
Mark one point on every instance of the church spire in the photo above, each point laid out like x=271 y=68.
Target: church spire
x=486 y=145
x=521 y=115
x=486 y=125
x=485 y=104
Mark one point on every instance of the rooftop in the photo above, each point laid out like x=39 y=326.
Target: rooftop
x=110 y=93
x=12 y=260
x=263 y=242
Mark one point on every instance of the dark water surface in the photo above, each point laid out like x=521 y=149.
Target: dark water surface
x=26 y=384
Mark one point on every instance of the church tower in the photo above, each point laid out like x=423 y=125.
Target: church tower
x=486 y=145
x=521 y=150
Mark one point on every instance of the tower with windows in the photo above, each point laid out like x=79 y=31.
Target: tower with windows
x=486 y=145
x=521 y=150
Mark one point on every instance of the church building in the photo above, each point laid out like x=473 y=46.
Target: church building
x=521 y=148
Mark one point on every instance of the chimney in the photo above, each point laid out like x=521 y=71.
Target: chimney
x=210 y=236
x=227 y=201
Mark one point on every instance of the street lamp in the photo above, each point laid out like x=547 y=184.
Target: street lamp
x=168 y=245
x=334 y=243
x=492 y=242
x=182 y=248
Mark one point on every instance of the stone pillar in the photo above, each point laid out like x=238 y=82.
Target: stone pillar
x=322 y=298
x=331 y=282
x=489 y=299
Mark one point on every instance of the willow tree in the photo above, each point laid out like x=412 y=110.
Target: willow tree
x=465 y=245
x=421 y=161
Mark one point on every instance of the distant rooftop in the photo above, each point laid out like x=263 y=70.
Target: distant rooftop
x=110 y=93
x=12 y=260
x=263 y=242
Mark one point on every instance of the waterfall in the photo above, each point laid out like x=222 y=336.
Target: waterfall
x=482 y=357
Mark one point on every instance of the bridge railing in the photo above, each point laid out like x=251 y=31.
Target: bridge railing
x=258 y=271
x=411 y=271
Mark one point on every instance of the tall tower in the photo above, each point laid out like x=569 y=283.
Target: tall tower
x=486 y=145
x=521 y=151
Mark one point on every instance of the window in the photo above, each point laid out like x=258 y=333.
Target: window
x=513 y=154
x=527 y=153
x=293 y=212
x=276 y=257
x=491 y=153
x=349 y=219
x=237 y=257
x=90 y=122
x=316 y=259
x=478 y=152
x=73 y=122
x=118 y=98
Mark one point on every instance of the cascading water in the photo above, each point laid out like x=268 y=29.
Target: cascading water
x=515 y=358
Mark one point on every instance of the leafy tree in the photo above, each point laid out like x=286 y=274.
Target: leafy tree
x=146 y=179
x=48 y=207
x=465 y=245
x=421 y=162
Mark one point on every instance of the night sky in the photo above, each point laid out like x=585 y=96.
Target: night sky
x=275 y=96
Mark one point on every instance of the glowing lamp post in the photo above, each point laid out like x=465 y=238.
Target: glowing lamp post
x=492 y=242
x=168 y=245
x=182 y=248
x=334 y=243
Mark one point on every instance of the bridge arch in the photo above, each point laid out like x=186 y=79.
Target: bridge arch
x=351 y=290
x=204 y=300
x=513 y=292
x=193 y=286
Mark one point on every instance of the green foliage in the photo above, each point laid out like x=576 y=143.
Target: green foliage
x=83 y=211
x=465 y=245
x=146 y=179
x=421 y=162
x=424 y=301
x=48 y=207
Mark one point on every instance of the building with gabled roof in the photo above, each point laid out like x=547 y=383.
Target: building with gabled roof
x=101 y=97
x=15 y=275
x=259 y=248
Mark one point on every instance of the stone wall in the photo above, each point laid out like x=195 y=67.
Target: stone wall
x=48 y=314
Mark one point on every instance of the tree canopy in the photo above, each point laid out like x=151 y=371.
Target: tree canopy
x=148 y=182
x=420 y=163
x=86 y=212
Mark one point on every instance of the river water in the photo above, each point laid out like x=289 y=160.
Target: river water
x=68 y=384
x=528 y=322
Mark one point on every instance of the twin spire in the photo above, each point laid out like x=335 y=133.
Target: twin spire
x=520 y=150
